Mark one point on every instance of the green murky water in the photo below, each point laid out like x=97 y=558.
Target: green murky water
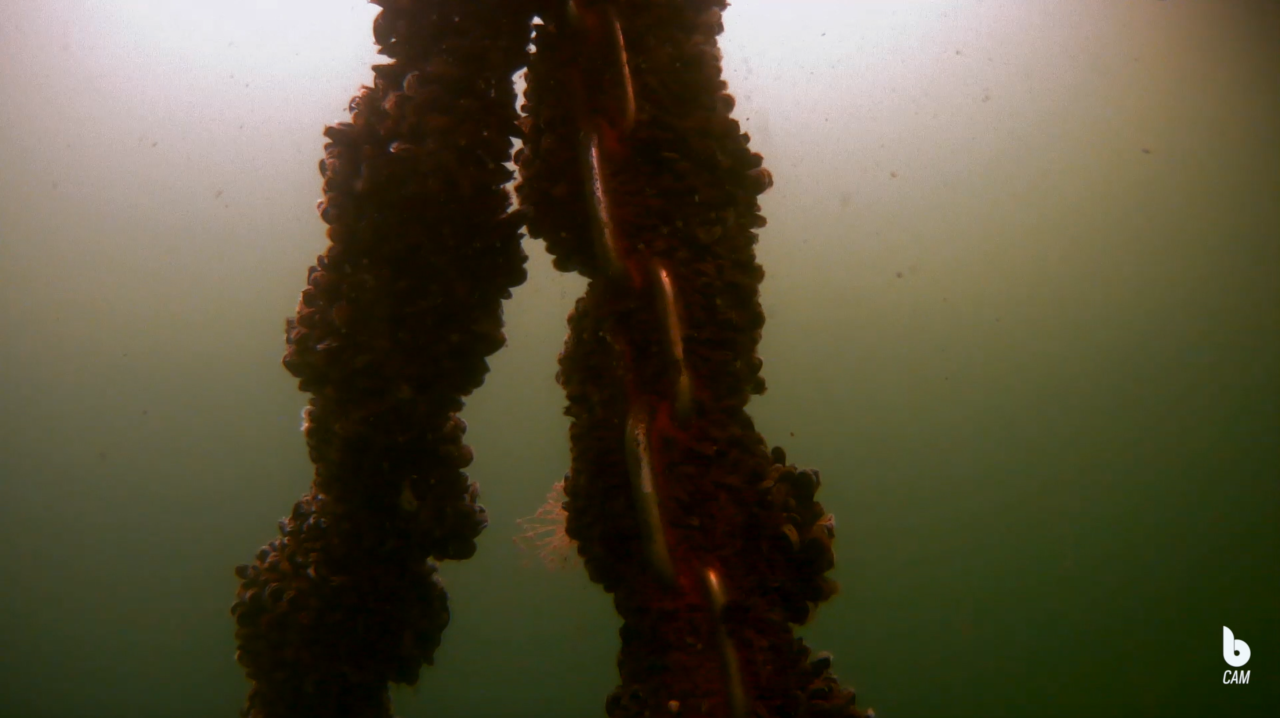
x=1023 y=293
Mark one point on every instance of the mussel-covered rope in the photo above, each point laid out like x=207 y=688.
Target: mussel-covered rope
x=634 y=174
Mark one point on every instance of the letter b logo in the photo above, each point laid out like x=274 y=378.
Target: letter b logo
x=1234 y=652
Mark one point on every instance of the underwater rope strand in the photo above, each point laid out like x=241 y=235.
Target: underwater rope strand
x=391 y=333
x=712 y=545
x=635 y=175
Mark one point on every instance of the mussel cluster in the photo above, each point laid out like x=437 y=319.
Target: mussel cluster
x=634 y=173
x=391 y=333
x=711 y=544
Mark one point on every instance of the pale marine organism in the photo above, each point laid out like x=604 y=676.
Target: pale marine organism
x=543 y=533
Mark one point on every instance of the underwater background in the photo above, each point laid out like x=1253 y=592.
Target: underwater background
x=1023 y=300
